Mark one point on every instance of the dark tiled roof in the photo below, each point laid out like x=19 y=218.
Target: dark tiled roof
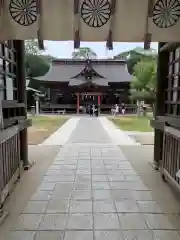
x=114 y=73
x=96 y=81
x=66 y=70
x=61 y=73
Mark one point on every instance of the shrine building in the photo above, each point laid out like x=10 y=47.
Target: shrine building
x=71 y=84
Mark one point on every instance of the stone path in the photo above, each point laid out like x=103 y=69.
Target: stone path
x=92 y=192
x=89 y=130
x=118 y=136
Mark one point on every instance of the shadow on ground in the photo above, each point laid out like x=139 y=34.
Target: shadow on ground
x=142 y=138
x=44 y=157
x=140 y=158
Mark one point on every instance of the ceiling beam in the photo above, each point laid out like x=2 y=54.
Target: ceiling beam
x=170 y=46
x=39 y=32
x=147 y=36
x=109 y=43
x=1 y=4
x=76 y=25
x=2 y=25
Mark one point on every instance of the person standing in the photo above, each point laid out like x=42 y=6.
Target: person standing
x=116 y=109
x=96 y=111
x=91 y=110
x=123 y=108
x=112 y=110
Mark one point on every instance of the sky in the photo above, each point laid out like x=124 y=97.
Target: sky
x=65 y=49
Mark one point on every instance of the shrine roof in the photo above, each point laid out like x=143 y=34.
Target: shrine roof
x=71 y=71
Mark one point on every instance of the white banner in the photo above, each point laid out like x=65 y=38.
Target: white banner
x=19 y=20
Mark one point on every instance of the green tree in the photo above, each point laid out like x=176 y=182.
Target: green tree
x=36 y=63
x=84 y=53
x=136 y=55
x=138 y=50
x=143 y=85
x=32 y=47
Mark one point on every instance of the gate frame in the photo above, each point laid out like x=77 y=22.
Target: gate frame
x=167 y=120
x=13 y=132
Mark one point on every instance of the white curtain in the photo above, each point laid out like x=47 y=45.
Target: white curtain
x=19 y=21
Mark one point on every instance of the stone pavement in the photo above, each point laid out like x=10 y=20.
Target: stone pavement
x=144 y=138
x=118 y=136
x=92 y=192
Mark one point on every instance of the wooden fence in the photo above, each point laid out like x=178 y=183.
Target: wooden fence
x=10 y=160
x=10 y=163
x=13 y=116
x=171 y=155
x=170 y=159
x=72 y=108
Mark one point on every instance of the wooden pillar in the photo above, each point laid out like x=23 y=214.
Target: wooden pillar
x=99 y=100
x=22 y=98
x=77 y=109
x=99 y=103
x=162 y=73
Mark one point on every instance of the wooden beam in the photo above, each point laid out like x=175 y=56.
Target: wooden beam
x=22 y=97
x=11 y=131
x=147 y=36
x=1 y=4
x=162 y=72
x=77 y=39
x=76 y=25
x=147 y=41
x=109 y=43
x=2 y=19
x=12 y=104
x=169 y=46
x=76 y=6
x=39 y=32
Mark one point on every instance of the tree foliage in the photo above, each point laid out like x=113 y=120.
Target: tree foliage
x=142 y=65
x=84 y=53
x=137 y=51
x=143 y=85
x=32 y=47
x=36 y=63
x=136 y=55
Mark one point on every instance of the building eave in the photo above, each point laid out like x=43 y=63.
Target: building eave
x=66 y=72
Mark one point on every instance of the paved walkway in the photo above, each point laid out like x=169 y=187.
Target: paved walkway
x=92 y=192
x=118 y=136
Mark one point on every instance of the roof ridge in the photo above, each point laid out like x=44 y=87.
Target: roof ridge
x=66 y=73
x=69 y=60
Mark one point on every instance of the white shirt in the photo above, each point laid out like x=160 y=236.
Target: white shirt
x=117 y=109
